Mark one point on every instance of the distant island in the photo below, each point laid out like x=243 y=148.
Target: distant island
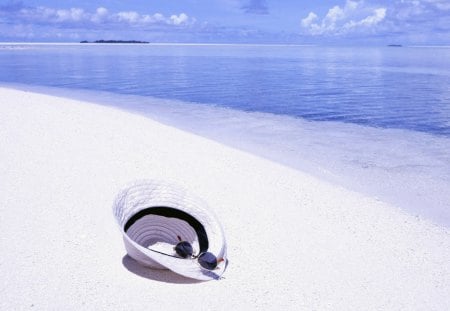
x=395 y=45
x=114 y=41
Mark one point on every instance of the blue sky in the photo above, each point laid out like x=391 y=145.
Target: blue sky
x=229 y=21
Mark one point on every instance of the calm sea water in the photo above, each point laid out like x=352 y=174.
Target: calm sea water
x=375 y=120
x=384 y=87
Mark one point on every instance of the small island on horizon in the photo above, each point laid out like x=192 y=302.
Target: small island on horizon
x=114 y=41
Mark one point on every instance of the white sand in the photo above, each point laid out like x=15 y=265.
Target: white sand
x=295 y=242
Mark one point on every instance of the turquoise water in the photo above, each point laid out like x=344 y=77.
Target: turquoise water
x=374 y=120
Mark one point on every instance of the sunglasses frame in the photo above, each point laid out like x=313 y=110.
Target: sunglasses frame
x=206 y=265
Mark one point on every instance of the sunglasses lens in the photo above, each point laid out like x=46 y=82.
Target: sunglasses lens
x=207 y=261
x=184 y=249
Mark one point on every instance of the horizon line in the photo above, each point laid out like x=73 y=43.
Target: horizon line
x=215 y=44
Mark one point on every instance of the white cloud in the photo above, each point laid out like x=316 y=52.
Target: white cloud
x=50 y=15
x=413 y=21
x=135 y=18
x=128 y=17
x=334 y=14
x=102 y=11
x=78 y=17
x=100 y=15
x=155 y=18
x=308 y=20
x=73 y=14
x=353 y=16
x=368 y=22
x=378 y=16
x=421 y=21
x=180 y=19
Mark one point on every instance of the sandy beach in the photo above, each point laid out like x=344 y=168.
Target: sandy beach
x=294 y=242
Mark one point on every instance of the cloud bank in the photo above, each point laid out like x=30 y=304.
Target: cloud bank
x=409 y=20
x=354 y=16
x=77 y=17
x=26 y=23
x=20 y=22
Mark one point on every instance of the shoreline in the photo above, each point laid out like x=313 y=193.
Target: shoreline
x=295 y=241
x=403 y=168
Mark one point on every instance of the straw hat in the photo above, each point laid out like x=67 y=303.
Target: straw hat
x=154 y=216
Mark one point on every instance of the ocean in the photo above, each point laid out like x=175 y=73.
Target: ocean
x=372 y=119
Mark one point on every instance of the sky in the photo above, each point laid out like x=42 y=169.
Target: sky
x=372 y=22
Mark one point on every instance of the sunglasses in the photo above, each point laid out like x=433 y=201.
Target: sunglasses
x=206 y=259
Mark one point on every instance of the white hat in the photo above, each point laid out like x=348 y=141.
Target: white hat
x=154 y=215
